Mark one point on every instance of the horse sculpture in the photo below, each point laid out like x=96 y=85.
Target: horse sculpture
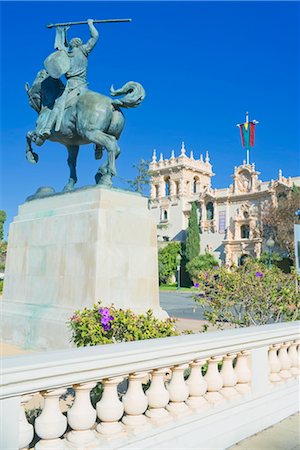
x=88 y=118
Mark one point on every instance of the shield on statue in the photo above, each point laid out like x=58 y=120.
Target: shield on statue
x=57 y=64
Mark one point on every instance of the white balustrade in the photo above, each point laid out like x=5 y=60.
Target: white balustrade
x=274 y=364
x=214 y=381
x=126 y=419
x=110 y=409
x=82 y=417
x=285 y=361
x=178 y=391
x=135 y=403
x=51 y=424
x=197 y=386
x=26 y=432
x=158 y=397
x=229 y=376
x=243 y=373
x=293 y=355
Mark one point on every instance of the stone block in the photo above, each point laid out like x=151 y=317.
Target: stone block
x=71 y=250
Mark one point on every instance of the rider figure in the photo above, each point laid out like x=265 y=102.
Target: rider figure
x=76 y=77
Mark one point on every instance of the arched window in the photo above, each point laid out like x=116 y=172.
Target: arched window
x=195 y=185
x=156 y=191
x=209 y=211
x=245 y=232
x=165 y=215
x=167 y=186
x=177 y=187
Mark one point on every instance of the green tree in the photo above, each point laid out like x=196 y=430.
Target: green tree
x=192 y=244
x=167 y=261
x=200 y=263
x=2 y=220
x=142 y=180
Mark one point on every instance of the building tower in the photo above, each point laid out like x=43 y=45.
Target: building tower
x=175 y=183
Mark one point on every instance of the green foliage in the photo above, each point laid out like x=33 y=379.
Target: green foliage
x=248 y=295
x=192 y=245
x=32 y=414
x=274 y=257
x=92 y=327
x=167 y=261
x=200 y=263
x=2 y=220
x=1 y=286
x=142 y=180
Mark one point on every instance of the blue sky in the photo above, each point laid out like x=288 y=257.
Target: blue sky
x=203 y=65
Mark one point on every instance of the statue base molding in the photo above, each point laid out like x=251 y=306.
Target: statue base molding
x=69 y=251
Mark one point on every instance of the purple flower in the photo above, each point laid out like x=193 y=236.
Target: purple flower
x=106 y=327
x=196 y=285
x=104 y=312
x=215 y=267
x=104 y=320
x=258 y=274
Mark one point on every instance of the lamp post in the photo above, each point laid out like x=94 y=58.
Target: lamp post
x=270 y=244
x=178 y=270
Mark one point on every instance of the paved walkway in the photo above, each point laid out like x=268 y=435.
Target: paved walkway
x=285 y=435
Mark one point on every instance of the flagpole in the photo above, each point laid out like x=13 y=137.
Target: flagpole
x=247 y=149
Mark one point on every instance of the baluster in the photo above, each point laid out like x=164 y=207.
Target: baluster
x=81 y=417
x=25 y=429
x=274 y=364
x=284 y=361
x=214 y=381
x=135 y=404
x=158 y=398
x=229 y=376
x=243 y=373
x=197 y=386
x=110 y=409
x=178 y=392
x=293 y=355
x=51 y=424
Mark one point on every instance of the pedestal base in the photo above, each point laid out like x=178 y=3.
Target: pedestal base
x=69 y=251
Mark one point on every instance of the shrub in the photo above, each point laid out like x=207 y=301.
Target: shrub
x=102 y=325
x=200 y=263
x=192 y=243
x=249 y=295
x=167 y=261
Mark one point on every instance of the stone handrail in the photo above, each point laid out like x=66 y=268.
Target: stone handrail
x=264 y=356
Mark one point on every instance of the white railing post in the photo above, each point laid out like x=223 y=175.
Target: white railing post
x=81 y=417
x=158 y=397
x=51 y=424
x=110 y=409
x=243 y=372
x=197 y=386
x=25 y=429
x=214 y=381
x=178 y=391
x=9 y=423
x=135 y=403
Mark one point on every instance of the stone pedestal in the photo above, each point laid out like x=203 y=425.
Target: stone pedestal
x=71 y=250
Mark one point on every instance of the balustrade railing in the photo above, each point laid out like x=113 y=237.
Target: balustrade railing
x=146 y=385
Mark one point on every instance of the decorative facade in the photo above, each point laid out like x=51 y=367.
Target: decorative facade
x=229 y=218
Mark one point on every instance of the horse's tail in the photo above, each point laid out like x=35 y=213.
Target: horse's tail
x=134 y=95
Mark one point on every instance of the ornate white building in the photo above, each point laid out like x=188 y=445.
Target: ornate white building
x=229 y=218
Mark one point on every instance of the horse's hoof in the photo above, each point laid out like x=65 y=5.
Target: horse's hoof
x=32 y=157
x=104 y=180
x=69 y=186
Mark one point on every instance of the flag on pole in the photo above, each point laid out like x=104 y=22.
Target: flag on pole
x=247 y=131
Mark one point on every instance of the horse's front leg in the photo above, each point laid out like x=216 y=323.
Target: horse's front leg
x=72 y=160
x=31 y=156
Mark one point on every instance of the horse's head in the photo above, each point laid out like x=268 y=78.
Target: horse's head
x=44 y=90
x=34 y=92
